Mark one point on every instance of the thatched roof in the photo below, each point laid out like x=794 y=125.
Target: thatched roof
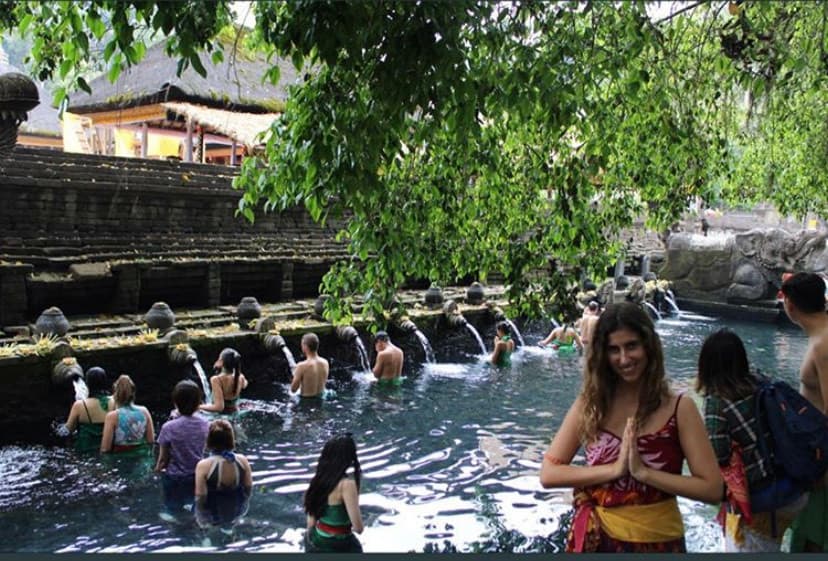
x=241 y=127
x=235 y=84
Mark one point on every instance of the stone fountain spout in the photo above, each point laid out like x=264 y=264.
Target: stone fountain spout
x=179 y=351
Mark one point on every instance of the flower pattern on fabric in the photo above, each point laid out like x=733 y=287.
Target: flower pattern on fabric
x=659 y=450
x=131 y=427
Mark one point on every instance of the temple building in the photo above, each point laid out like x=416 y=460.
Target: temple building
x=150 y=112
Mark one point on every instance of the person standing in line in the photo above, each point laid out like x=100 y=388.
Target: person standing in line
x=181 y=446
x=331 y=501
x=804 y=301
x=311 y=374
x=128 y=429
x=388 y=367
x=227 y=385
x=636 y=434
x=88 y=415
x=223 y=481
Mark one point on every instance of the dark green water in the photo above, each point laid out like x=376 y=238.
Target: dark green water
x=450 y=462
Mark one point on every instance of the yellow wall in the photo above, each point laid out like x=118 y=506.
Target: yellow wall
x=71 y=127
x=160 y=145
x=126 y=144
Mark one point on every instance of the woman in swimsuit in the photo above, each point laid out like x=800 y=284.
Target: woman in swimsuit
x=228 y=384
x=636 y=434
x=503 y=345
x=223 y=481
x=129 y=428
x=87 y=415
x=332 y=499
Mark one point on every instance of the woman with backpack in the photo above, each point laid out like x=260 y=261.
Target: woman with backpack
x=760 y=504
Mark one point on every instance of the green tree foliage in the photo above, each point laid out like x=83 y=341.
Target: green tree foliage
x=467 y=137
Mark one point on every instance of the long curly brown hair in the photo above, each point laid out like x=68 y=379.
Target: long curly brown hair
x=600 y=381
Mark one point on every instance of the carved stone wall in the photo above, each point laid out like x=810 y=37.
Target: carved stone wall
x=744 y=267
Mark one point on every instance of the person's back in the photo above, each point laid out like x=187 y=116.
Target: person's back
x=127 y=429
x=227 y=385
x=804 y=302
x=181 y=445
x=730 y=413
x=311 y=374
x=88 y=415
x=331 y=501
x=224 y=480
x=389 y=364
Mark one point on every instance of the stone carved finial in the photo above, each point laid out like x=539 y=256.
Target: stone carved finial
x=18 y=96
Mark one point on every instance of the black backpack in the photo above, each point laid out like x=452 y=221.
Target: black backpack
x=798 y=429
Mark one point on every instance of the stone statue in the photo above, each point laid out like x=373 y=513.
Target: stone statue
x=18 y=96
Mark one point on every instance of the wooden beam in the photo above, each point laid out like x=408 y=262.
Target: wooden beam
x=188 y=142
x=144 y=135
x=131 y=115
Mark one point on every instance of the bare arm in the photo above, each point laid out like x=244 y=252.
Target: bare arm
x=498 y=350
x=379 y=366
x=74 y=416
x=578 y=342
x=218 y=397
x=109 y=430
x=350 y=496
x=247 y=479
x=296 y=383
x=821 y=365
x=201 y=481
x=549 y=338
x=556 y=470
x=150 y=435
x=242 y=381
x=705 y=480
x=163 y=458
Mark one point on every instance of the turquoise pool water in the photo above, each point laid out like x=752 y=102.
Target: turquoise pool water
x=450 y=462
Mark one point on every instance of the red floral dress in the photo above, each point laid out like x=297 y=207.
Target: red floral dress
x=660 y=450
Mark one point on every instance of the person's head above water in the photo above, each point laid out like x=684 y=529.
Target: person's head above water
x=220 y=436
x=338 y=456
x=625 y=350
x=186 y=396
x=311 y=342
x=381 y=340
x=123 y=390
x=503 y=328
x=97 y=381
x=230 y=360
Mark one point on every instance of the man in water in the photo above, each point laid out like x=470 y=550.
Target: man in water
x=311 y=374
x=588 y=322
x=804 y=302
x=389 y=364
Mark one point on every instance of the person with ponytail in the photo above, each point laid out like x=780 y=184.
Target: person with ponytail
x=129 y=428
x=223 y=481
x=228 y=384
x=332 y=499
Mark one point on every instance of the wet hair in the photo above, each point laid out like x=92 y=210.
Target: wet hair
x=220 y=436
x=381 y=336
x=311 y=341
x=187 y=396
x=97 y=381
x=231 y=363
x=338 y=455
x=123 y=390
x=724 y=370
x=504 y=327
x=593 y=306
x=601 y=381
x=806 y=291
